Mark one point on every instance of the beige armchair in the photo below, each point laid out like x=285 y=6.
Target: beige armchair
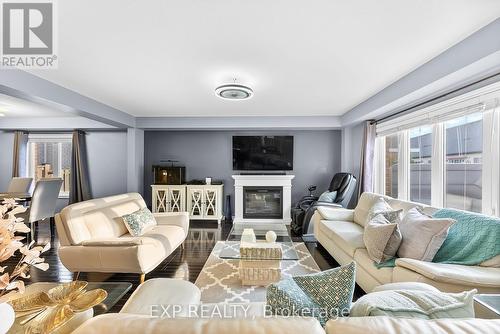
x=93 y=237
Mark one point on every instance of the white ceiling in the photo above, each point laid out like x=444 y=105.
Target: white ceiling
x=165 y=58
x=15 y=107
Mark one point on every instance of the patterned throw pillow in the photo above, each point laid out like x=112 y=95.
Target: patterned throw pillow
x=381 y=237
x=139 y=222
x=324 y=295
x=381 y=206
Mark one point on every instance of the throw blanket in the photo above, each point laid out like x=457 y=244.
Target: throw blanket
x=415 y=304
x=473 y=239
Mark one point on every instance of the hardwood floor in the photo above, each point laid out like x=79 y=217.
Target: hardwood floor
x=182 y=263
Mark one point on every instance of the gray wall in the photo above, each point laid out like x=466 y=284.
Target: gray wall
x=107 y=156
x=317 y=156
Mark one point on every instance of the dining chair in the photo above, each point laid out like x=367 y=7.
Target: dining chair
x=20 y=185
x=43 y=203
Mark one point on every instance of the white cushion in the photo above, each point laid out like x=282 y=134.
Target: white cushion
x=365 y=203
x=473 y=276
x=382 y=275
x=347 y=235
x=405 y=286
x=389 y=325
x=121 y=323
x=151 y=295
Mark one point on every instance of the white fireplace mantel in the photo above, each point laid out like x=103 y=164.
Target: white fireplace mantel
x=284 y=181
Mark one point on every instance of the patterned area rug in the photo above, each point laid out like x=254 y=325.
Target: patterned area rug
x=219 y=281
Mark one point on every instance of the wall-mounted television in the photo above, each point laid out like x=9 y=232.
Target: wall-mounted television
x=256 y=153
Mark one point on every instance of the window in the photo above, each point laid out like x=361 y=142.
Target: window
x=444 y=155
x=391 y=165
x=464 y=152
x=49 y=155
x=420 y=164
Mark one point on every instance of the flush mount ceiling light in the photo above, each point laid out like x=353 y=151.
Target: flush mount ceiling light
x=234 y=91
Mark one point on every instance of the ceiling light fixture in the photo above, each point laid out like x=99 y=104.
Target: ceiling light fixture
x=234 y=91
x=2 y=114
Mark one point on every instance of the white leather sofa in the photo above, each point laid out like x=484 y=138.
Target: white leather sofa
x=93 y=237
x=148 y=312
x=340 y=231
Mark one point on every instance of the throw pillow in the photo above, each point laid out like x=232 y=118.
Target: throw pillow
x=415 y=304
x=381 y=237
x=380 y=205
x=328 y=196
x=324 y=295
x=422 y=235
x=139 y=222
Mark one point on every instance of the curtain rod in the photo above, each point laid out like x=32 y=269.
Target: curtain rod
x=457 y=90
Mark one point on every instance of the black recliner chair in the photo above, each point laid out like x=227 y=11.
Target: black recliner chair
x=340 y=193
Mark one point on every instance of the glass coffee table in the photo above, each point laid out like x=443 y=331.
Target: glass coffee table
x=231 y=248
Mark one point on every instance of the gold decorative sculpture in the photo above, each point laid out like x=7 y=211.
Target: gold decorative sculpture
x=46 y=311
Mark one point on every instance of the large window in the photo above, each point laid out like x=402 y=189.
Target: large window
x=49 y=155
x=464 y=155
x=444 y=155
x=420 y=164
x=391 y=165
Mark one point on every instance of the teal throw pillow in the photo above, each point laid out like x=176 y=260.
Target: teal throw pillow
x=326 y=295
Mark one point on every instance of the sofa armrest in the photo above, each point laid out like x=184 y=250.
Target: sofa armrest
x=113 y=242
x=180 y=219
x=334 y=213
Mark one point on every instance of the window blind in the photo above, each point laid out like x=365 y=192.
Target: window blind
x=478 y=100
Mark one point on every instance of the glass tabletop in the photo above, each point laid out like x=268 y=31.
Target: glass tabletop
x=115 y=290
x=490 y=301
x=231 y=248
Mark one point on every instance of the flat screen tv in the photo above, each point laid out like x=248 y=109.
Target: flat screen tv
x=256 y=153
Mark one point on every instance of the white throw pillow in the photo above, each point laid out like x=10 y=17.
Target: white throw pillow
x=422 y=235
x=336 y=214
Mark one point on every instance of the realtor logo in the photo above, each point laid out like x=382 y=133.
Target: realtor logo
x=28 y=35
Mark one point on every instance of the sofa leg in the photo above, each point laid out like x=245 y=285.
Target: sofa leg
x=76 y=275
x=141 y=279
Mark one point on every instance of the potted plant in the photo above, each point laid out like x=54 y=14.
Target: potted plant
x=12 y=244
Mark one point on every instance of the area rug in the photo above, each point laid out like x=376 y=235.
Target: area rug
x=219 y=281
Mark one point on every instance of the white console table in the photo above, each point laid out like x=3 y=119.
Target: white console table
x=203 y=201
x=168 y=198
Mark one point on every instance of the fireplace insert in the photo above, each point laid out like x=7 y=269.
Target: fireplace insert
x=263 y=202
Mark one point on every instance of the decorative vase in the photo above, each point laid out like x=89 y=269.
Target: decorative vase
x=8 y=317
x=271 y=236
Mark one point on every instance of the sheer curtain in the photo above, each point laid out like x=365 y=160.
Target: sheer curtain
x=366 y=176
x=19 y=154
x=80 y=183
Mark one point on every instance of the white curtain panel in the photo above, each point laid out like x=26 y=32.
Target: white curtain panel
x=491 y=163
